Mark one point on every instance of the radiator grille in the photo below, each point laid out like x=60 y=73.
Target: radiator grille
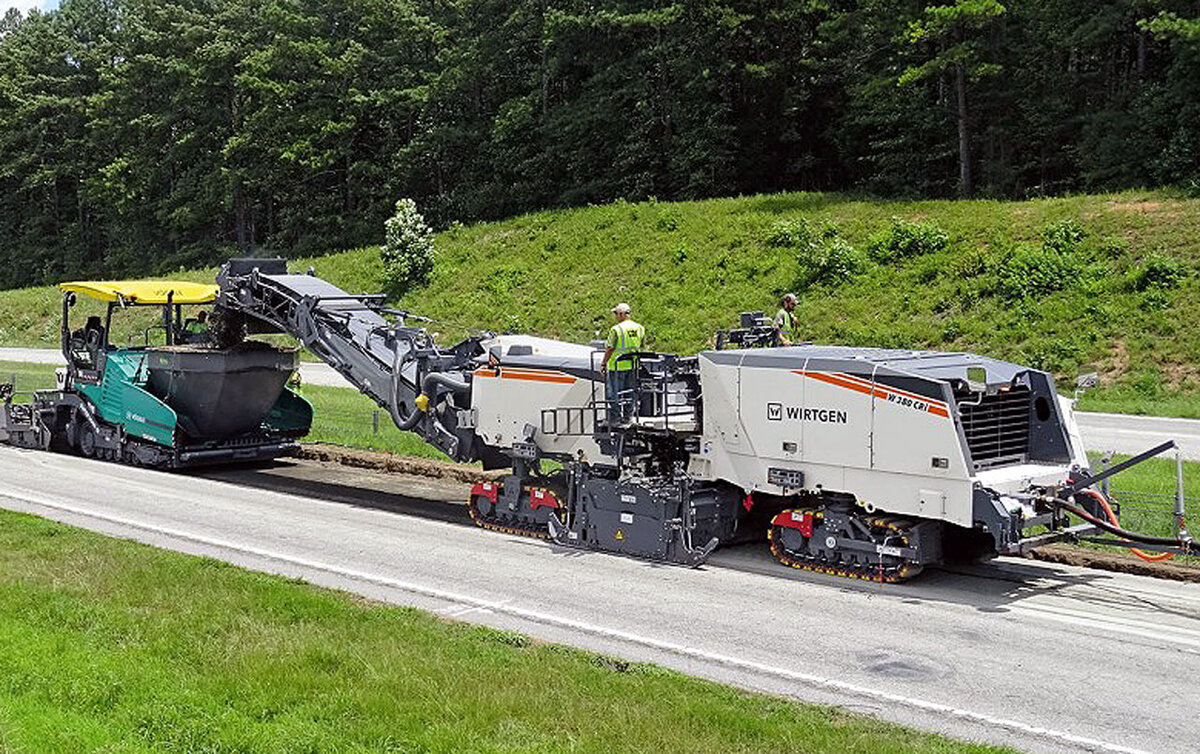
x=997 y=430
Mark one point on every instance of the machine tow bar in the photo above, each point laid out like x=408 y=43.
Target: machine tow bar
x=1064 y=498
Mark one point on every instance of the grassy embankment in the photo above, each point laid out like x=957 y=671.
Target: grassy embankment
x=689 y=267
x=107 y=645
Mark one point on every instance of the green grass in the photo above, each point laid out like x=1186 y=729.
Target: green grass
x=347 y=417
x=27 y=377
x=688 y=268
x=107 y=645
x=1154 y=401
x=1147 y=494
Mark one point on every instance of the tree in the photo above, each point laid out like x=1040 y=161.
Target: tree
x=138 y=136
x=955 y=34
x=407 y=249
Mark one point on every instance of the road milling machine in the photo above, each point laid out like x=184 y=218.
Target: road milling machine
x=175 y=400
x=859 y=462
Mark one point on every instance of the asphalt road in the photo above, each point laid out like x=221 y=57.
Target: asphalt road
x=1118 y=433
x=1041 y=657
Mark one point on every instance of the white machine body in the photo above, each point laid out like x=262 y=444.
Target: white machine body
x=551 y=393
x=884 y=426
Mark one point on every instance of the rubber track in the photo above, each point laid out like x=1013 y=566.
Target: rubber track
x=520 y=531
x=900 y=573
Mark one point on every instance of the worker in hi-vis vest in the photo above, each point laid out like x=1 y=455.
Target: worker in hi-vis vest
x=787 y=330
x=620 y=375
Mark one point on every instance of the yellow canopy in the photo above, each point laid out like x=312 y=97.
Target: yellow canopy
x=145 y=291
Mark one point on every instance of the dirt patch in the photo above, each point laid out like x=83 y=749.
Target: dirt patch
x=1116 y=561
x=1162 y=209
x=392 y=464
x=1117 y=362
x=1180 y=376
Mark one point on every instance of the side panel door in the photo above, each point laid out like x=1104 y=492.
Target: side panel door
x=836 y=415
x=770 y=405
x=914 y=430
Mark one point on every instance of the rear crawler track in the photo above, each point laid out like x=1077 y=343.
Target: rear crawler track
x=519 y=515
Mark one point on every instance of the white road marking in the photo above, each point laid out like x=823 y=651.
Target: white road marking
x=1115 y=623
x=548 y=619
x=459 y=611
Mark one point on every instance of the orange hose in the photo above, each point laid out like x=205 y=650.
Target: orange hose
x=1112 y=517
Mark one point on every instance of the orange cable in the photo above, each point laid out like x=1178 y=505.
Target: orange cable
x=1112 y=517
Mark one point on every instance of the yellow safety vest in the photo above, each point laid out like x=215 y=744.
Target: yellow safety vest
x=624 y=337
x=786 y=321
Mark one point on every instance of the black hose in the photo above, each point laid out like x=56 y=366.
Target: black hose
x=1185 y=545
x=431 y=381
x=444 y=380
x=404 y=423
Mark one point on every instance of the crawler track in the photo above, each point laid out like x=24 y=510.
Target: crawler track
x=491 y=523
x=884 y=574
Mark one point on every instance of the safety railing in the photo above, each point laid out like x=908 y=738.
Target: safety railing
x=1154 y=504
x=654 y=401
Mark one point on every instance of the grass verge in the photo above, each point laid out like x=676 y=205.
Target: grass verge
x=1146 y=494
x=1152 y=402
x=27 y=376
x=110 y=645
x=347 y=417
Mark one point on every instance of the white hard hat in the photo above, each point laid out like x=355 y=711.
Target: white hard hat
x=621 y=308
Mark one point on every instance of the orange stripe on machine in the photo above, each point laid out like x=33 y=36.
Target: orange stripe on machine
x=874 y=389
x=521 y=373
x=895 y=390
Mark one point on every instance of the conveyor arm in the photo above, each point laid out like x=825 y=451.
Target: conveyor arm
x=425 y=389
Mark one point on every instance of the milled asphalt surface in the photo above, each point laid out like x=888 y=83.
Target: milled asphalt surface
x=1117 y=433
x=1041 y=657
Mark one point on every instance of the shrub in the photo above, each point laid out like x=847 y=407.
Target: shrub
x=1037 y=271
x=829 y=260
x=1156 y=299
x=1113 y=248
x=1158 y=272
x=927 y=271
x=975 y=263
x=407 y=249
x=1063 y=236
x=907 y=239
x=790 y=234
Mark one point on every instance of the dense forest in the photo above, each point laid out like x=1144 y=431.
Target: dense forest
x=141 y=135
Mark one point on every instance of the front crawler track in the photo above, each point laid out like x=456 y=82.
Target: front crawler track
x=886 y=570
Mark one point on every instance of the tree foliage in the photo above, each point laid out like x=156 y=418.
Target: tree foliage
x=137 y=136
